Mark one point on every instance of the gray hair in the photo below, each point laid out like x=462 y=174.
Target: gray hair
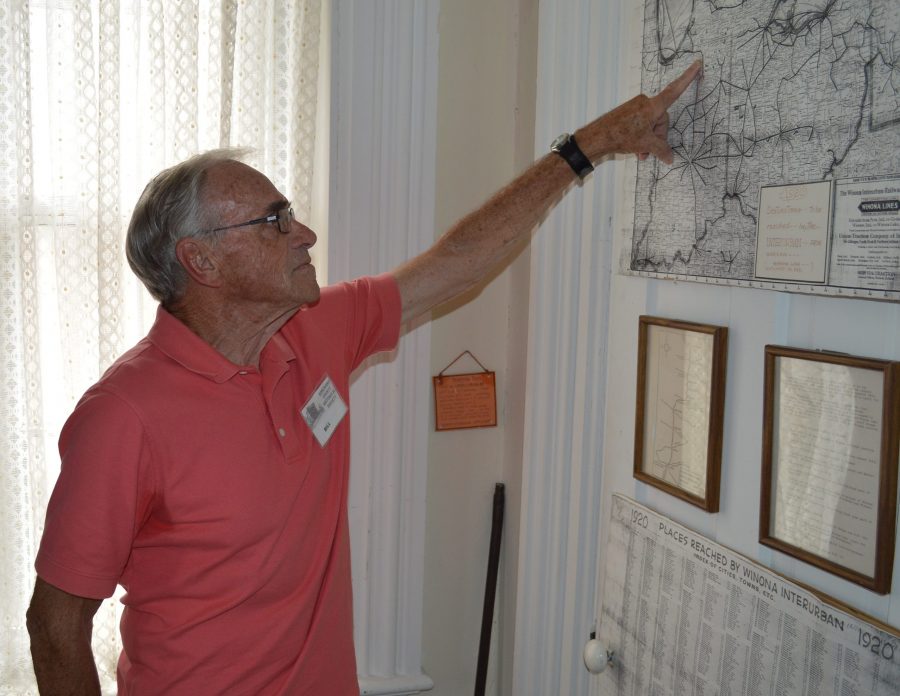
x=171 y=208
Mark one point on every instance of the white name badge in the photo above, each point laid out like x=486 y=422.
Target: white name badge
x=324 y=411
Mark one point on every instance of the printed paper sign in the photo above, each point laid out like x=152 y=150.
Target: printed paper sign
x=792 y=241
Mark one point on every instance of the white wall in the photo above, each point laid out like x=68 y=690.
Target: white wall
x=386 y=137
x=484 y=135
x=581 y=376
x=754 y=318
x=564 y=444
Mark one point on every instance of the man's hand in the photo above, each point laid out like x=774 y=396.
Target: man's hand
x=639 y=126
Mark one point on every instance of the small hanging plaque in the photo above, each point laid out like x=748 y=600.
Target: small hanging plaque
x=465 y=401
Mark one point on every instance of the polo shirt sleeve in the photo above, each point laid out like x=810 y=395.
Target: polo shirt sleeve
x=361 y=316
x=374 y=322
x=101 y=498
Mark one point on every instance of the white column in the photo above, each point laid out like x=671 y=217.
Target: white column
x=578 y=68
x=381 y=212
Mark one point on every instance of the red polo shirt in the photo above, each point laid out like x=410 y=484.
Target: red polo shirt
x=197 y=485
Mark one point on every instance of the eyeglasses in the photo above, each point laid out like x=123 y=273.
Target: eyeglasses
x=283 y=219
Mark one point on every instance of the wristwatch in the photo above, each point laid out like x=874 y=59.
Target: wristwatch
x=566 y=147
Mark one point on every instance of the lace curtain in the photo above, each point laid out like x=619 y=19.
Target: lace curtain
x=96 y=96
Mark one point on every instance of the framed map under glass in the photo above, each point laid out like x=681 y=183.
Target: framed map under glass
x=680 y=404
x=829 y=470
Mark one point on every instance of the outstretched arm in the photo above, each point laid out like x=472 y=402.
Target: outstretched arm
x=474 y=245
x=60 y=625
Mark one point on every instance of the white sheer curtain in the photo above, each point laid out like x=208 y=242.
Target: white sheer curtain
x=96 y=96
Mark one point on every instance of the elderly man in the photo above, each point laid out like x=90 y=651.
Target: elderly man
x=207 y=471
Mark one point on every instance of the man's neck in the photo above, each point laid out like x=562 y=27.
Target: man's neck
x=238 y=333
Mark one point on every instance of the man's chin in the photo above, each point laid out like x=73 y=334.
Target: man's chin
x=312 y=295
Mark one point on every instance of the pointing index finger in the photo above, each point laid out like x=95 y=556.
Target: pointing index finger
x=674 y=89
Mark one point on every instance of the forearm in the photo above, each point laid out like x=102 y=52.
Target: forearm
x=63 y=669
x=60 y=627
x=481 y=240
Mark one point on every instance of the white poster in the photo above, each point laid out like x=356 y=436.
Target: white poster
x=684 y=615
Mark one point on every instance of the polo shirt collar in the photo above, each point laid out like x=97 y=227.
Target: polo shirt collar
x=176 y=340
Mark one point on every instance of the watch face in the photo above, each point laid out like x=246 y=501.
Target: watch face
x=559 y=142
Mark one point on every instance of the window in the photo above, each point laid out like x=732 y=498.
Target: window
x=97 y=98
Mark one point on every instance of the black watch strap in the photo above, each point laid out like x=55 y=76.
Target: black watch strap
x=566 y=147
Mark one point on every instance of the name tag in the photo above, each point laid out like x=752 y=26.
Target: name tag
x=324 y=411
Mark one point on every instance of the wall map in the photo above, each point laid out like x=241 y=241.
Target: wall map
x=792 y=93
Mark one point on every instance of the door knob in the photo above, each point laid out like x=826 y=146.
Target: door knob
x=596 y=656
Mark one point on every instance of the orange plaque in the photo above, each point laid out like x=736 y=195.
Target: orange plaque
x=465 y=401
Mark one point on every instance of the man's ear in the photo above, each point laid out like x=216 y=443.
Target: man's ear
x=198 y=260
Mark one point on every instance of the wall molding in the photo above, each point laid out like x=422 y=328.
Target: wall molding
x=393 y=686
x=381 y=212
x=572 y=258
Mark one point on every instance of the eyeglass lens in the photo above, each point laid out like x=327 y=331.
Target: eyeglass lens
x=285 y=218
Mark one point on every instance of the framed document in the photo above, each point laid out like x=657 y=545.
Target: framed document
x=829 y=466
x=680 y=404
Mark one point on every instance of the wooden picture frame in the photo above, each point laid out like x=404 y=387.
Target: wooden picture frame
x=829 y=465
x=680 y=408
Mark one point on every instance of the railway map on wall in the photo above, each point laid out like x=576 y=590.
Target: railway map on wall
x=793 y=92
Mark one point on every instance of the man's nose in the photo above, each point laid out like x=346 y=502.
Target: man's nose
x=305 y=236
